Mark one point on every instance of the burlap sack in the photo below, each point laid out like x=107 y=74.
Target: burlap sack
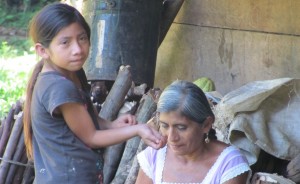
x=262 y=115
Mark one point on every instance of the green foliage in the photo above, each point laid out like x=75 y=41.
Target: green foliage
x=17 y=18
x=14 y=74
x=12 y=88
x=13 y=18
x=14 y=49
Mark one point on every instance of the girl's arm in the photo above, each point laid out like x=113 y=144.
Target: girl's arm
x=142 y=178
x=80 y=122
x=124 y=120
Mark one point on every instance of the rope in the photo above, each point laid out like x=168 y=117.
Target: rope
x=16 y=163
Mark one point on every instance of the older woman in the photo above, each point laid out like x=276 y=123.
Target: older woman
x=192 y=154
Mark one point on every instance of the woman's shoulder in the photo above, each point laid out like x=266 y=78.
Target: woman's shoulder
x=223 y=148
x=151 y=152
x=230 y=156
x=226 y=152
x=218 y=147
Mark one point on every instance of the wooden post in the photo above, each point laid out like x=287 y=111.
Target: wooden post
x=131 y=178
x=18 y=176
x=116 y=97
x=7 y=125
x=28 y=176
x=114 y=101
x=135 y=165
x=10 y=147
x=17 y=156
x=145 y=110
x=113 y=154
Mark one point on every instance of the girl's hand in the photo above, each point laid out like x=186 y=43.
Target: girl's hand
x=152 y=137
x=124 y=120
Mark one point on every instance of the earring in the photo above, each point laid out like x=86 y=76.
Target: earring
x=206 y=139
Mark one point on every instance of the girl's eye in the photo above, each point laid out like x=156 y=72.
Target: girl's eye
x=83 y=38
x=64 y=42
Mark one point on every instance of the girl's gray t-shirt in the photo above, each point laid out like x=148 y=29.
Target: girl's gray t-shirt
x=59 y=156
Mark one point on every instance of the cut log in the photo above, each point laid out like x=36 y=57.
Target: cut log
x=18 y=108
x=131 y=178
x=20 y=170
x=293 y=169
x=7 y=126
x=11 y=147
x=135 y=93
x=113 y=154
x=146 y=108
x=116 y=97
x=28 y=176
x=114 y=101
x=17 y=156
x=1 y=127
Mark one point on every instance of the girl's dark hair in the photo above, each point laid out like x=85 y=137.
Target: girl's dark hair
x=43 y=27
x=188 y=99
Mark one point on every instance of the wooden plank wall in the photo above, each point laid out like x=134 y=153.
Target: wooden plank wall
x=231 y=41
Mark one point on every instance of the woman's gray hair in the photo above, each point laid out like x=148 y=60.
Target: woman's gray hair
x=186 y=98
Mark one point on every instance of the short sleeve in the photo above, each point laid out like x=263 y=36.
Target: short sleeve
x=236 y=164
x=61 y=92
x=147 y=161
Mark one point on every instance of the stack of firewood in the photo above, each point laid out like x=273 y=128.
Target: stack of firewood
x=14 y=167
x=120 y=164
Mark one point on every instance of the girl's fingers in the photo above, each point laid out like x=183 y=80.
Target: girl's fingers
x=127 y=119
x=153 y=144
x=156 y=140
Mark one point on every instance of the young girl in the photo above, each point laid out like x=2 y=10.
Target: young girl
x=63 y=133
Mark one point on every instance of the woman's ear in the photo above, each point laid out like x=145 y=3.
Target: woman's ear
x=207 y=125
x=41 y=51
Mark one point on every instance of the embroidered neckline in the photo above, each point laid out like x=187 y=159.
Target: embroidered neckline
x=207 y=178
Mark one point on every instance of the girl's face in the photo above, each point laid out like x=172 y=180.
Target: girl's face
x=184 y=136
x=69 y=49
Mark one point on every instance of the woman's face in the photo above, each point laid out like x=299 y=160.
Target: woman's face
x=69 y=49
x=184 y=136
